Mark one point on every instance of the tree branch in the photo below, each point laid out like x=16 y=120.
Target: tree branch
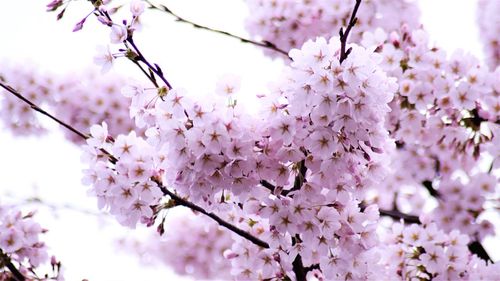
x=264 y=44
x=396 y=214
x=477 y=248
x=298 y=269
x=178 y=200
x=343 y=35
x=58 y=121
x=299 y=178
x=38 y=109
x=16 y=274
x=156 y=69
x=268 y=185
x=432 y=191
x=139 y=56
x=182 y=202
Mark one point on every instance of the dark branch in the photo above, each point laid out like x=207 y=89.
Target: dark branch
x=182 y=202
x=299 y=178
x=432 y=191
x=38 y=109
x=178 y=199
x=138 y=56
x=263 y=44
x=343 y=35
x=16 y=274
x=477 y=248
x=397 y=215
x=298 y=269
x=72 y=129
x=156 y=69
x=268 y=185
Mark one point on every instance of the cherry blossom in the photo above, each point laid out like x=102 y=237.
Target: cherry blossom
x=288 y=24
x=83 y=100
x=489 y=28
x=21 y=245
x=192 y=245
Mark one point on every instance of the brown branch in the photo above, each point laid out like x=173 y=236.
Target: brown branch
x=156 y=69
x=477 y=248
x=300 y=178
x=138 y=56
x=298 y=269
x=263 y=44
x=38 y=109
x=396 y=214
x=343 y=35
x=182 y=202
x=16 y=274
x=179 y=200
x=35 y=107
x=432 y=191
x=268 y=185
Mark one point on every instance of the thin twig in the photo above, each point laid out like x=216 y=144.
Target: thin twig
x=16 y=274
x=263 y=44
x=343 y=35
x=140 y=57
x=143 y=59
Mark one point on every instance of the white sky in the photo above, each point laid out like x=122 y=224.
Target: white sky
x=190 y=58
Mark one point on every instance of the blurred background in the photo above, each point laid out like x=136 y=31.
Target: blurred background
x=49 y=168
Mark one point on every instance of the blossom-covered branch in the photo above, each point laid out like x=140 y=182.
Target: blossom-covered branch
x=179 y=201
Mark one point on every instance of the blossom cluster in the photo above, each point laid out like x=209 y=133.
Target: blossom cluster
x=192 y=245
x=124 y=186
x=327 y=118
x=19 y=237
x=425 y=252
x=442 y=119
x=322 y=139
x=337 y=137
x=80 y=99
x=89 y=98
x=18 y=117
x=289 y=24
x=489 y=28
x=20 y=243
